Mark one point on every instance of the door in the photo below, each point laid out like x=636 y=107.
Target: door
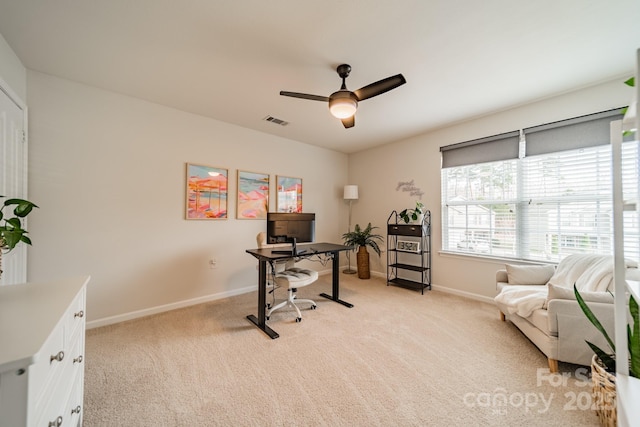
x=13 y=177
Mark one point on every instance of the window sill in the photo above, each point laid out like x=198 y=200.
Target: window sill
x=489 y=258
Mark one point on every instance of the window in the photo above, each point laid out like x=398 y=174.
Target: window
x=553 y=201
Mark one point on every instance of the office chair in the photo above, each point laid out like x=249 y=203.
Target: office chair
x=284 y=274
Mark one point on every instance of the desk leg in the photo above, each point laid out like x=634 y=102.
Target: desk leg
x=260 y=321
x=336 y=281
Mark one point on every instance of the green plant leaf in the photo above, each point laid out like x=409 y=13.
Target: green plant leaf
x=607 y=360
x=11 y=231
x=12 y=238
x=633 y=338
x=593 y=319
x=360 y=237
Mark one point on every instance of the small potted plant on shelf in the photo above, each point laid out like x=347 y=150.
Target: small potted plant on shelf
x=361 y=238
x=415 y=215
x=11 y=228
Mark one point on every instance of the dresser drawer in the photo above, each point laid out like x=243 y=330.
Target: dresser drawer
x=74 y=406
x=58 y=397
x=405 y=229
x=43 y=374
x=75 y=316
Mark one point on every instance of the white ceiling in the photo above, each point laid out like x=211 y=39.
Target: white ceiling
x=230 y=59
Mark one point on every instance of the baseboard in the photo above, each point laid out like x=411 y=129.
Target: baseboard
x=448 y=290
x=213 y=297
x=167 y=307
x=463 y=294
x=105 y=321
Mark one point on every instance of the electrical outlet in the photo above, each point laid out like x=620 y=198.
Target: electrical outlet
x=213 y=263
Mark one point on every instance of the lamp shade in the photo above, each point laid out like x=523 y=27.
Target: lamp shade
x=351 y=192
x=342 y=104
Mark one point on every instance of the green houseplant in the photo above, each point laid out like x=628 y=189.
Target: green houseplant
x=361 y=238
x=409 y=215
x=12 y=231
x=633 y=335
x=603 y=365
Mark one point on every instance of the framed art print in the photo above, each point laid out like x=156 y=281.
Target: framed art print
x=207 y=190
x=289 y=194
x=253 y=195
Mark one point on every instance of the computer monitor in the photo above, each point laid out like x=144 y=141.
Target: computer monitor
x=284 y=227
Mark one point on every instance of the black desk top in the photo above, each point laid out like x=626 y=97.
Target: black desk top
x=309 y=248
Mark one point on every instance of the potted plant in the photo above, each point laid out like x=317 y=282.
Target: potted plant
x=11 y=228
x=361 y=238
x=603 y=365
x=415 y=215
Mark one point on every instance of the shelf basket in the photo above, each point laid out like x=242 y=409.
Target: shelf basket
x=604 y=393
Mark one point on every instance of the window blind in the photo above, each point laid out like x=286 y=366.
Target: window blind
x=490 y=149
x=567 y=204
x=580 y=132
x=545 y=206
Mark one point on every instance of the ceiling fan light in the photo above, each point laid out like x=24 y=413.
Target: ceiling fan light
x=343 y=107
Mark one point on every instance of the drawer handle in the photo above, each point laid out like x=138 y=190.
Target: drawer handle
x=57 y=357
x=75 y=410
x=79 y=314
x=56 y=423
x=78 y=359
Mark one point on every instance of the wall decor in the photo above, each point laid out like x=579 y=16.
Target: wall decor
x=207 y=190
x=410 y=187
x=253 y=195
x=289 y=194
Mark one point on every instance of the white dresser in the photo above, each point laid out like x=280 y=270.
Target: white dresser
x=42 y=332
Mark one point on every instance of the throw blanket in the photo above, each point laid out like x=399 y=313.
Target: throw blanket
x=522 y=299
x=592 y=273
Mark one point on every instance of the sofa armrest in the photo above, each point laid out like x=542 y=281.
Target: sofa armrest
x=501 y=276
x=558 y=308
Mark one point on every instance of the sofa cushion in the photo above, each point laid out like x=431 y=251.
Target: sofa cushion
x=560 y=292
x=540 y=319
x=529 y=274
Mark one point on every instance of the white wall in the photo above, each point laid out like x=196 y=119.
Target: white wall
x=378 y=171
x=12 y=71
x=108 y=172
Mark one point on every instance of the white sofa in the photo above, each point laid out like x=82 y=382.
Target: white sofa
x=540 y=301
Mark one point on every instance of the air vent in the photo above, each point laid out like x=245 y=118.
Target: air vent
x=276 y=121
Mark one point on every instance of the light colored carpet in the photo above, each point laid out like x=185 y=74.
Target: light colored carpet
x=397 y=358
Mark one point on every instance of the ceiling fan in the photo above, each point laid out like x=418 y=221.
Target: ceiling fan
x=343 y=103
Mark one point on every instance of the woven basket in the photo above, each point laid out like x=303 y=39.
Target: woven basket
x=604 y=393
x=362 y=257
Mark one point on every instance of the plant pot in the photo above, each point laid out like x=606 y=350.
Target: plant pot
x=604 y=393
x=363 y=263
x=419 y=220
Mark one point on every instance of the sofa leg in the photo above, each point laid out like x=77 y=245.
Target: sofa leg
x=553 y=365
x=502 y=317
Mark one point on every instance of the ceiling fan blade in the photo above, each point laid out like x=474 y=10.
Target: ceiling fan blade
x=379 y=87
x=305 y=96
x=349 y=122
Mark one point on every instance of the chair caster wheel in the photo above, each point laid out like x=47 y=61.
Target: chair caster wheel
x=298 y=319
x=266 y=317
x=313 y=307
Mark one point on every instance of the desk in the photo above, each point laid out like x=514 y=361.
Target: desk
x=266 y=255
